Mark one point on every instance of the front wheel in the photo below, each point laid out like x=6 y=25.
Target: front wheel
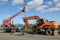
x=51 y=31
x=56 y=33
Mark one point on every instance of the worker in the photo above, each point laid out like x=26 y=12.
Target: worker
x=13 y=29
x=22 y=30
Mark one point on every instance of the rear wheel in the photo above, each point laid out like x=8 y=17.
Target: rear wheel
x=51 y=31
x=48 y=31
x=35 y=30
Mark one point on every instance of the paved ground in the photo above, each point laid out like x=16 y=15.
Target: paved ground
x=7 y=36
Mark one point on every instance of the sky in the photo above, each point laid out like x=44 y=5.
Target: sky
x=48 y=9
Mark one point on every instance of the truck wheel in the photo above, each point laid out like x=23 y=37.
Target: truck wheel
x=55 y=33
x=35 y=30
x=12 y=31
x=48 y=31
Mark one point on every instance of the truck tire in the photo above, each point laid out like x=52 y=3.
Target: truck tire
x=55 y=33
x=35 y=30
x=48 y=31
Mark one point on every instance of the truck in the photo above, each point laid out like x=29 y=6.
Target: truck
x=7 y=24
x=49 y=27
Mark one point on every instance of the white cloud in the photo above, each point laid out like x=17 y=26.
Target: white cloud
x=17 y=2
x=3 y=1
x=41 y=8
x=29 y=5
x=56 y=1
x=28 y=8
x=49 y=3
x=35 y=3
x=51 y=9
x=56 y=8
x=7 y=16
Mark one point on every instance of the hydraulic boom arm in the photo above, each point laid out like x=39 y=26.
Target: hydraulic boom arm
x=6 y=22
x=30 y=18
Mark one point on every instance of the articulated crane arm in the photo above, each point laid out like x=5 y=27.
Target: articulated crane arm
x=30 y=18
x=6 y=22
x=23 y=10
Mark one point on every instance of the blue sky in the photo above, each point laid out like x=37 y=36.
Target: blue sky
x=48 y=9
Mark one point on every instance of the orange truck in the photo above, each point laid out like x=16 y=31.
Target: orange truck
x=7 y=23
x=49 y=27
